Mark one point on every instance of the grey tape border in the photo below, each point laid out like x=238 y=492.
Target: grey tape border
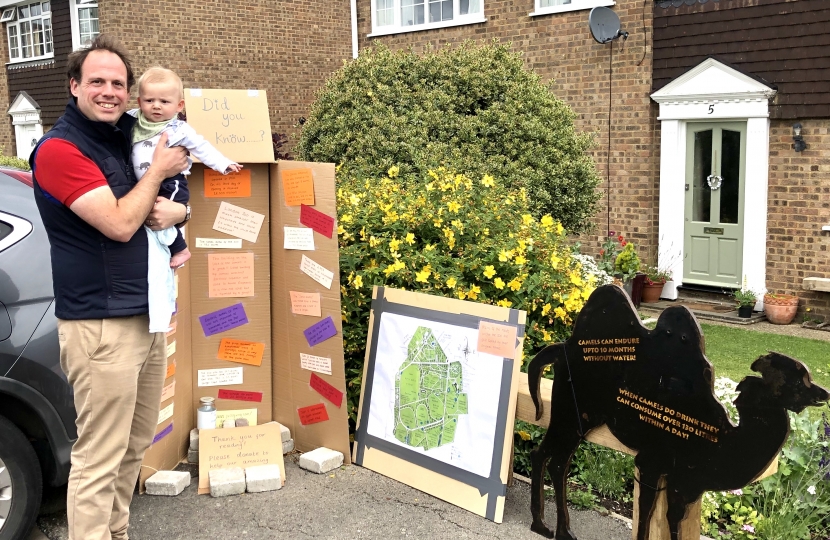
x=492 y=485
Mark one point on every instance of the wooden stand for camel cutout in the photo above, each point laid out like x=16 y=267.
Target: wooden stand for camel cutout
x=653 y=392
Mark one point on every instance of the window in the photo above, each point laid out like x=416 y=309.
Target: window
x=395 y=16
x=29 y=29
x=84 y=16
x=544 y=7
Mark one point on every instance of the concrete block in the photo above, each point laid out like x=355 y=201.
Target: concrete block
x=288 y=446
x=285 y=433
x=241 y=422
x=230 y=422
x=192 y=456
x=194 y=439
x=169 y=483
x=224 y=482
x=321 y=460
x=262 y=478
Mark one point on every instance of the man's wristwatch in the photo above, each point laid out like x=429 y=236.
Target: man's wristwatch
x=186 y=215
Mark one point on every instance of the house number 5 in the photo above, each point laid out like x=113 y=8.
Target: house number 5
x=711 y=108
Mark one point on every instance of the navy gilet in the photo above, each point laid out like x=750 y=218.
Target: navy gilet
x=94 y=277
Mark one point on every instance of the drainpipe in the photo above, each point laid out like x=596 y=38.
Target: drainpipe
x=354 y=28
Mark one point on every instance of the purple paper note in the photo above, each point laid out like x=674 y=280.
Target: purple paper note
x=319 y=332
x=224 y=319
x=163 y=433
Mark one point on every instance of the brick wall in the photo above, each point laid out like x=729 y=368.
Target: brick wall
x=799 y=205
x=285 y=48
x=559 y=47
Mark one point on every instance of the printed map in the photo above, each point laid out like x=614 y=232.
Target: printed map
x=428 y=394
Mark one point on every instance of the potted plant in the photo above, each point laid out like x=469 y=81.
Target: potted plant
x=627 y=267
x=780 y=308
x=746 y=299
x=653 y=284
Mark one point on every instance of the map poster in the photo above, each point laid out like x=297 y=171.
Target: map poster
x=436 y=413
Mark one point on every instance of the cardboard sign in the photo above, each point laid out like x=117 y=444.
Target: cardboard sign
x=496 y=339
x=247 y=414
x=316 y=272
x=320 y=222
x=313 y=414
x=219 y=243
x=239 y=395
x=319 y=332
x=326 y=390
x=298 y=185
x=319 y=364
x=230 y=275
x=298 y=238
x=303 y=303
x=243 y=352
x=238 y=447
x=224 y=319
x=237 y=221
x=219 y=377
x=236 y=122
x=168 y=392
x=234 y=184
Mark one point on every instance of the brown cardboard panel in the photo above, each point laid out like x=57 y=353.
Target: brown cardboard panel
x=257 y=307
x=290 y=381
x=168 y=451
x=236 y=122
x=416 y=476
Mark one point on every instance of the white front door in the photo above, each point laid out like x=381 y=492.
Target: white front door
x=27 y=136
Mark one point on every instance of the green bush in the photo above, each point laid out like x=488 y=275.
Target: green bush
x=470 y=108
x=16 y=162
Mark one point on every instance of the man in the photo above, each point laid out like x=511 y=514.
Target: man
x=93 y=210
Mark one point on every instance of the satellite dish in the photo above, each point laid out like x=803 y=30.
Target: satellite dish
x=605 y=25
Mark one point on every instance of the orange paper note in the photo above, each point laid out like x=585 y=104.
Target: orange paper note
x=303 y=303
x=497 y=339
x=235 y=184
x=171 y=369
x=230 y=275
x=243 y=352
x=298 y=186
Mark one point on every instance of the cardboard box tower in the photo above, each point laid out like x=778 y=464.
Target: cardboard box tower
x=258 y=323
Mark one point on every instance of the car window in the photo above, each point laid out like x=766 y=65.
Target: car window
x=5 y=230
x=12 y=230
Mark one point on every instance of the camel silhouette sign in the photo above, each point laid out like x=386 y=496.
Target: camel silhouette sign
x=654 y=389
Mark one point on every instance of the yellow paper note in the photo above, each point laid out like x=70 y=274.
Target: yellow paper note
x=247 y=414
x=237 y=221
x=497 y=339
x=230 y=275
x=243 y=352
x=171 y=349
x=303 y=303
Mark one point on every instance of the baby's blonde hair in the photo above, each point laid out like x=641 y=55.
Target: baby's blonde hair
x=158 y=74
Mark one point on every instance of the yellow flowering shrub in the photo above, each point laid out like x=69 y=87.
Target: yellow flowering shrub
x=455 y=236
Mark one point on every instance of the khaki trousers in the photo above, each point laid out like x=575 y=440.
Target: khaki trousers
x=116 y=368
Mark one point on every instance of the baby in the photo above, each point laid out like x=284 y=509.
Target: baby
x=160 y=99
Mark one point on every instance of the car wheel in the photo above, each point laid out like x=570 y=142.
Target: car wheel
x=21 y=485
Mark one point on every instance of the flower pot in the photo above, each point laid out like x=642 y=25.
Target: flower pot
x=651 y=292
x=745 y=312
x=780 y=308
x=634 y=288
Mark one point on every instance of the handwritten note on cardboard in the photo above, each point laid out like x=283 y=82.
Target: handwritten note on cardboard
x=168 y=391
x=326 y=390
x=219 y=377
x=496 y=339
x=238 y=447
x=303 y=303
x=171 y=369
x=320 y=364
x=242 y=352
x=219 y=243
x=237 y=221
x=313 y=414
x=234 y=184
x=166 y=413
x=298 y=238
x=316 y=272
x=230 y=275
x=223 y=319
x=298 y=186
x=319 y=332
x=247 y=414
x=239 y=395
x=320 y=222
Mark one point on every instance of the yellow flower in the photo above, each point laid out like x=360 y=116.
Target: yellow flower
x=358 y=282
x=545 y=309
x=460 y=294
x=472 y=294
x=393 y=171
x=560 y=313
x=504 y=303
x=453 y=206
x=559 y=228
x=515 y=284
x=503 y=256
x=488 y=181
x=499 y=283
x=341 y=230
x=554 y=261
x=374 y=241
x=394 y=244
x=527 y=219
x=429 y=247
x=354 y=199
x=410 y=238
x=451 y=283
x=576 y=278
x=586 y=292
x=394 y=267
x=437 y=222
x=546 y=335
x=520 y=260
x=423 y=275
x=547 y=221
x=489 y=271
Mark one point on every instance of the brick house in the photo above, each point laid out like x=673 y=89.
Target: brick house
x=698 y=85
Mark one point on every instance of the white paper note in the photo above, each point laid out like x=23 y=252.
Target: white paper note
x=166 y=413
x=216 y=377
x=219 y=243
x=298 y=238
x=237 y=221
x=316 y=272
x=319 y=364
x=171 y=349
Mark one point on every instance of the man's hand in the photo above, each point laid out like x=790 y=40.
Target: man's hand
x=168 y=162
x=165 y=214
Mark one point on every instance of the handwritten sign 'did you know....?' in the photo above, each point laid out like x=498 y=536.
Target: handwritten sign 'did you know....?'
x=236 y=122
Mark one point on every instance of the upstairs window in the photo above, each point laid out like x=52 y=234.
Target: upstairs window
x=84 y=16
x=29 y=30
x=544 y=7
x=395 y=16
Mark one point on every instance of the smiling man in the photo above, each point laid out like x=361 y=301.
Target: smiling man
x=93 y=209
